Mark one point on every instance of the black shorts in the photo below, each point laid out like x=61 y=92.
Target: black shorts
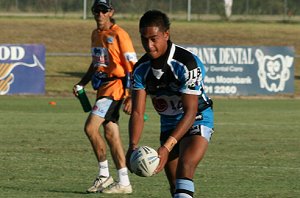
x=201 y=130
x=108 y=108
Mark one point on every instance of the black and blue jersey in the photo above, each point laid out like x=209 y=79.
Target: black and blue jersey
x=181 y=72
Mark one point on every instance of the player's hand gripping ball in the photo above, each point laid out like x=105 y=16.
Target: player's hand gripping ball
x=143 y=161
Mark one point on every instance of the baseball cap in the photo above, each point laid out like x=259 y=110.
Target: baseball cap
x=103 y=3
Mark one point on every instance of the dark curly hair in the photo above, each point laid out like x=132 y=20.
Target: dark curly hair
x=155 y=18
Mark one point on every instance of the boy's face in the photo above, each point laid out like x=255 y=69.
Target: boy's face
x=154 y=41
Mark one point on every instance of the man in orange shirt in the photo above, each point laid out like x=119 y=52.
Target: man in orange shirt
x=113 y=57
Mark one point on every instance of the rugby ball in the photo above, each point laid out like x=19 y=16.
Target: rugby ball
x=143 y=161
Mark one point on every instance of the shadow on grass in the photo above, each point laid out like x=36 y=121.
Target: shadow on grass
x=86 y=193
x=73 y=74
x=69 y=192
x=67 y=74
x=37 y=191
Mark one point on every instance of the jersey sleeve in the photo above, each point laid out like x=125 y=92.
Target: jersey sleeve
x=138 y=76
x=128 y=54
x=192 y=78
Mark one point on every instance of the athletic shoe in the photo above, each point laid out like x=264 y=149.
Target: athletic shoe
x=117 y=188
x=100 y=184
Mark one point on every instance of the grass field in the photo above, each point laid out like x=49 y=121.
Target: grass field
x=44 y=151
x=254 y=151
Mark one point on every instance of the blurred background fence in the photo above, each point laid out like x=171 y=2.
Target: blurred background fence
x=286 y=10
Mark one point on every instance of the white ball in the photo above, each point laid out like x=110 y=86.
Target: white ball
x=143 y=161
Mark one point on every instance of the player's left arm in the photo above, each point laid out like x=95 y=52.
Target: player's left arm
x=190 y=107
x=190 y=89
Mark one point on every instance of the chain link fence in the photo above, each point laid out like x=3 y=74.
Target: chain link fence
x=177 y=9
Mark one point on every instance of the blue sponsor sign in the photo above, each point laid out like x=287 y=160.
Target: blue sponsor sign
x=22 y=69
x=239 y=70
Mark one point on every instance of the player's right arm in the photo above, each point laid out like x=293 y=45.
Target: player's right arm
x=136 y=121
x=139 y=95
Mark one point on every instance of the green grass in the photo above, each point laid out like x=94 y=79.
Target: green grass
x=254 y=151
x=44 y=152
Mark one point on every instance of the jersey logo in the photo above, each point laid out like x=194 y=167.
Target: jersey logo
x=157 y=73
x=131 y=56
x=100 y=56
x=110 y=39
x=194 y=78
x=199 y=117
x=160 y=104
x=194 y=74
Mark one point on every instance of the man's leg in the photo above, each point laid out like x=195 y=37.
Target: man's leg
x=99 y=146
x=92 y=131
x=112 y=135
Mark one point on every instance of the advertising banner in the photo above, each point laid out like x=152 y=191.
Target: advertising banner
x=22 y=69
x=240 y=70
